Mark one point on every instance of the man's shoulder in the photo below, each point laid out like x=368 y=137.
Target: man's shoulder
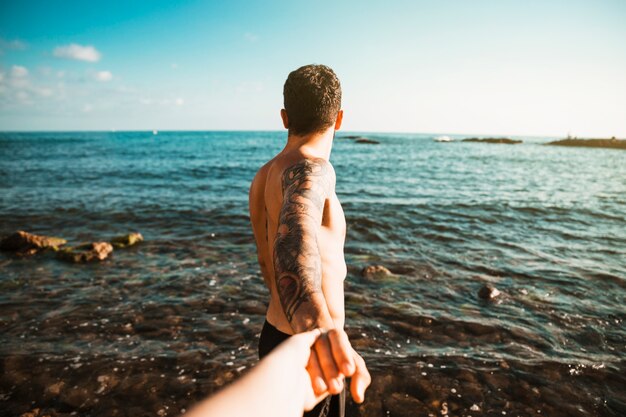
x=309 y=165
x=284 y=169
x=309 y=170
x=259 y=180
x=261 y=174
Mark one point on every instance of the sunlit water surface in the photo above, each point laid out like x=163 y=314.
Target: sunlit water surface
x=158 y=326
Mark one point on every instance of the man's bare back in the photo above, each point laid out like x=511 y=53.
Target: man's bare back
x=299 y=228
x=266 y=202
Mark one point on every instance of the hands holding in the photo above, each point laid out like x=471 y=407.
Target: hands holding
x=282 y=384
x=324 y=359
x=331 y=360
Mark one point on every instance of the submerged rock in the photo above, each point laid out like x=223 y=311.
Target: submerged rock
x=505 y=141
x=125 y=241
x=107 y=383
x=374 y=271
x=96 y=251
x=488 y=292
x=77 y=397
x=401 y=404
x=55 y=389
x=25 y=243
x=36 y=412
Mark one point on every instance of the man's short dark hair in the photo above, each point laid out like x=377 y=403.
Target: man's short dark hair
x=312 y=95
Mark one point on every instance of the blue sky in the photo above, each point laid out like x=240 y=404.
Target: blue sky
x=482 y=67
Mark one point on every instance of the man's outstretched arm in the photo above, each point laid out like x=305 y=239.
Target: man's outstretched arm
x=298 y=272
x=297 y=264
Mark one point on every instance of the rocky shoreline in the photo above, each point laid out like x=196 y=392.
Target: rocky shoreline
x=439 y=386
x=27 y=244
x=505 y=141
x=360 y=139
x=612 y=143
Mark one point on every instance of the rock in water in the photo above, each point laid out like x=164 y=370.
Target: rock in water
x=591 y=143
x=373 y=271
x=55 y=389
x=25 y=243
x=401 y=404
x=126 y=240
x=505 y=141
x=96 y=251
x=38 y=412
x=488 y=292
x=368 y=141
x=35 y=412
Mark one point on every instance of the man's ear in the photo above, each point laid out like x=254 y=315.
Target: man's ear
x=283 y=115
x=339 y=120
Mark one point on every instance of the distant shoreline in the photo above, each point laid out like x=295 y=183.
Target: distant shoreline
x=591 y=143
x=362 y=136
x=505 y=141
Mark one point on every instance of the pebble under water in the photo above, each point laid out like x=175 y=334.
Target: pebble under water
x=160 y=325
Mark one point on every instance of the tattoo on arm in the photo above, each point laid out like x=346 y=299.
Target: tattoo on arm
x=297 y=263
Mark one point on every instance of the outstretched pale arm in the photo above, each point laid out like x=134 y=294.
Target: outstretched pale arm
x=278 y=386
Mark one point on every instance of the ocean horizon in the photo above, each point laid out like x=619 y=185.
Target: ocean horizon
x=339 y=133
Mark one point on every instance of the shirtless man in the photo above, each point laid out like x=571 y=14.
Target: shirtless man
x=299 y=228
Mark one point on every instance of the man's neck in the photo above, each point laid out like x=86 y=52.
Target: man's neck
x=317 y=144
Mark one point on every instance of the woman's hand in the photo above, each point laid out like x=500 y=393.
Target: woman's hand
x=281 y=384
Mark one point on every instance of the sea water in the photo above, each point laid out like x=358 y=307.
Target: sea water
x=160 y=325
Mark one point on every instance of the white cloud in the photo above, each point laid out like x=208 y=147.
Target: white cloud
x=45 y=92
x=18 y=71
x=19 y=84
x=46 y=71
x=18 y=77
x=87 y=108
x=104 y=76
x=179 y=101
x=15 y=44
x=78 y=52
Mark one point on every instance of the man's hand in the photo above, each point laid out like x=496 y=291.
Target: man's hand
x=332 y=359
x=361 y=379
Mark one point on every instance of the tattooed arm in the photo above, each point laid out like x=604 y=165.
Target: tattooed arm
x=298 y=273
x=297 y=264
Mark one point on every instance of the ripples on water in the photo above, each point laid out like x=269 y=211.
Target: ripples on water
x=158 y=326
